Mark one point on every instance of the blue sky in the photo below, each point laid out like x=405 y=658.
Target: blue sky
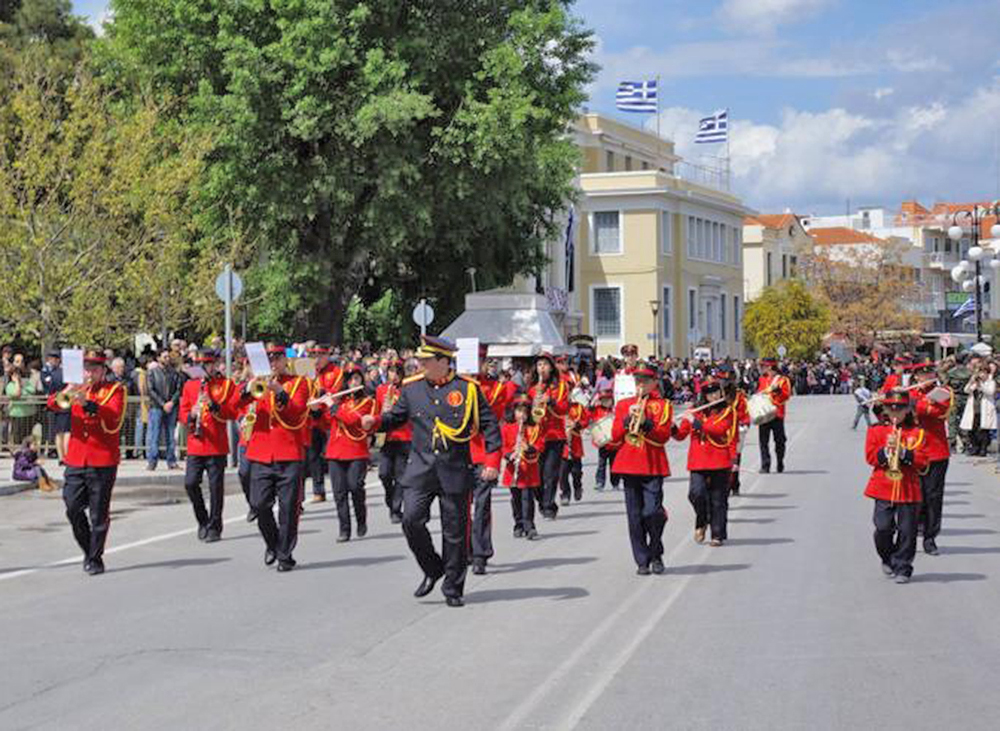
x=874 y=101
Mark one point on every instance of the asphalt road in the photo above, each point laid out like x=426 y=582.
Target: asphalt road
x=790 y=625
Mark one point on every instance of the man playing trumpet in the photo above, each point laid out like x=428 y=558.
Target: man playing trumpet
x=643 y=425
x=279 y=408
x=932 y=404
x=207 y=405
x=97 y=411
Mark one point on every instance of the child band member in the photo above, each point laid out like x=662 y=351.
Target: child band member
x=523 y=442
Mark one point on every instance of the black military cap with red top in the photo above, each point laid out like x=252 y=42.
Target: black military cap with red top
x=94 y=358
x=629 y=349
x=275 y=351
x=320 y=350
x=207 y=355
x=546 y=355
x=770 y=362
x=644 y=370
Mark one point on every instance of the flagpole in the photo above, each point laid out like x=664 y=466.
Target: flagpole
x=657 y=120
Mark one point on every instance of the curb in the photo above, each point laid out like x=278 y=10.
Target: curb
x=175 y=479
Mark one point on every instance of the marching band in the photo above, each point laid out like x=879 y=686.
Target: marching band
x=445 y=436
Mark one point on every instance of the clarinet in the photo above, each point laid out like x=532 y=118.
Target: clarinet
x=517 y=453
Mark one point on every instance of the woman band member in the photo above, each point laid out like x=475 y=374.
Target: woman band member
x=549 y=404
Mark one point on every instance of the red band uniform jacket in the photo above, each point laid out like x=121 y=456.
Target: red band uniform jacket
x=497 y=396
x=389 y=392
x=348 y=441
x=277 y=432
x=220 y=404
x=932 y=417
x=533 y=443
x=574 y=446
x=553 y=424
x=779 y=398
x=713 y=445
x=914 y=460
x=648 y=456
x=95 y=426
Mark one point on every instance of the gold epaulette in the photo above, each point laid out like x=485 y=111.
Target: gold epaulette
x=413 y=379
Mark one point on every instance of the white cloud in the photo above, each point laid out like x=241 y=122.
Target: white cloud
x=882 y=92
x=761 y=16
x=98 y=23
x=813 y=161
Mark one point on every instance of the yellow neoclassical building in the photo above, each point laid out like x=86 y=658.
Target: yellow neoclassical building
x=659 y=246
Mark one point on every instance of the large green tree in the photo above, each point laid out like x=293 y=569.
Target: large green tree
x=95 y=209
x=367 y=146
x=787 y=315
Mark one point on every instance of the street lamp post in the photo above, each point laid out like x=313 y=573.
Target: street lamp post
x=654 y=305
x=975 y=218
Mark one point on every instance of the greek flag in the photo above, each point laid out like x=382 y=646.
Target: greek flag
x=636 y=96
x=968 y=306
x=714 y=128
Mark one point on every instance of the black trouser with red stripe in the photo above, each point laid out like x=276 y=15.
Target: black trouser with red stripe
x=279 y=481
x=708 y=493
x=215 y=466
x=89 y=489
x=482 y=518
x=454 y=506
x=646 y=516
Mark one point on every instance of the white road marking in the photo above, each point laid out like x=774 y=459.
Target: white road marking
x=610 y=670
x=124 y=547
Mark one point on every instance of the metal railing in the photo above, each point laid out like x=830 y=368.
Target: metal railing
x=20 y=417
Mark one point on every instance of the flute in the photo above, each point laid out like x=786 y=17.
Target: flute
x=328 y=398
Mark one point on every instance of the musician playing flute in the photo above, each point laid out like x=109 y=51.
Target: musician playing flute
x=97 y=411
x=347 y=452
x=933 y=403
x=523 y=442
x=207 y=405
x=714 y=432
x=897 y=451
x=396 y=448
x=643 y=425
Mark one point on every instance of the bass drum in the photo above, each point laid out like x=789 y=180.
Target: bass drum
x=761 y=408
x=600 y=430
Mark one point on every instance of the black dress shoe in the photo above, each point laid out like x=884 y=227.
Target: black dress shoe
x=564 y=500
x=657 y=566
x=781 y=467
x=202 y=532
x=642 y=571
x=213 y=536
x=519 y=532
x=96 y=567
x=362 y=530
x=270 y=557
x=578 y=495
x=426 y=586
x=765 y=470
x=344 y=537
x=454 y=601
x=395 y=518
x=251 y=515
x=288 y=565
x=930 y=547
x=86 y=565
x=479 y=568
x=532 y=534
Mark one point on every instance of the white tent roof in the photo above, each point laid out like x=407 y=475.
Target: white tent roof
x=513 y=324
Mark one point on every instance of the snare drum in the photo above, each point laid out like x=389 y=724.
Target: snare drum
x=600 y=430
x=761 y=408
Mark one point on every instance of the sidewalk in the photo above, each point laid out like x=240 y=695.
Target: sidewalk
x=131 y=472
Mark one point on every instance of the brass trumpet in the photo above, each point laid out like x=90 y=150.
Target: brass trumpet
x=65 y=398
x=893 y=470
x=538 y=406
x=634 y=436
x=257 y=387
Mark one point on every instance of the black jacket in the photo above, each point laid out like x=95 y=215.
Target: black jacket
x=164 y=386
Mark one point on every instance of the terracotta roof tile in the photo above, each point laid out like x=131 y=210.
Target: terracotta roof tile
x=775 y=221
x=838 y=235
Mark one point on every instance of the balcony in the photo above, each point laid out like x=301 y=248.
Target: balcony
x=941 y=260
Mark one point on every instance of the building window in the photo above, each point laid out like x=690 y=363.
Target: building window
x=610 y=161
x=767 y=272
x=666 y=237
x=784 y=266
x=793 y=266
x=628 y=163
x=607 y=233
x=710 y=318
x=722 y=316
x=866 y=220
x=692 y=310
x=607 y=312
x=736 y=317
x=691 y=233
x=645 y=165
x=737 y=245
x=665 y=308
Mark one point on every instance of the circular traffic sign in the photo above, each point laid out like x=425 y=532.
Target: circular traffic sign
x=781 y=351
x=423 y=314
x=220 y=286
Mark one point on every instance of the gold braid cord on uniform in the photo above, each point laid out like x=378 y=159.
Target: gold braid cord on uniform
x=291 y=394
x=121 y=419
x=665 y=415
x=453 y=434
x=730 y=432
